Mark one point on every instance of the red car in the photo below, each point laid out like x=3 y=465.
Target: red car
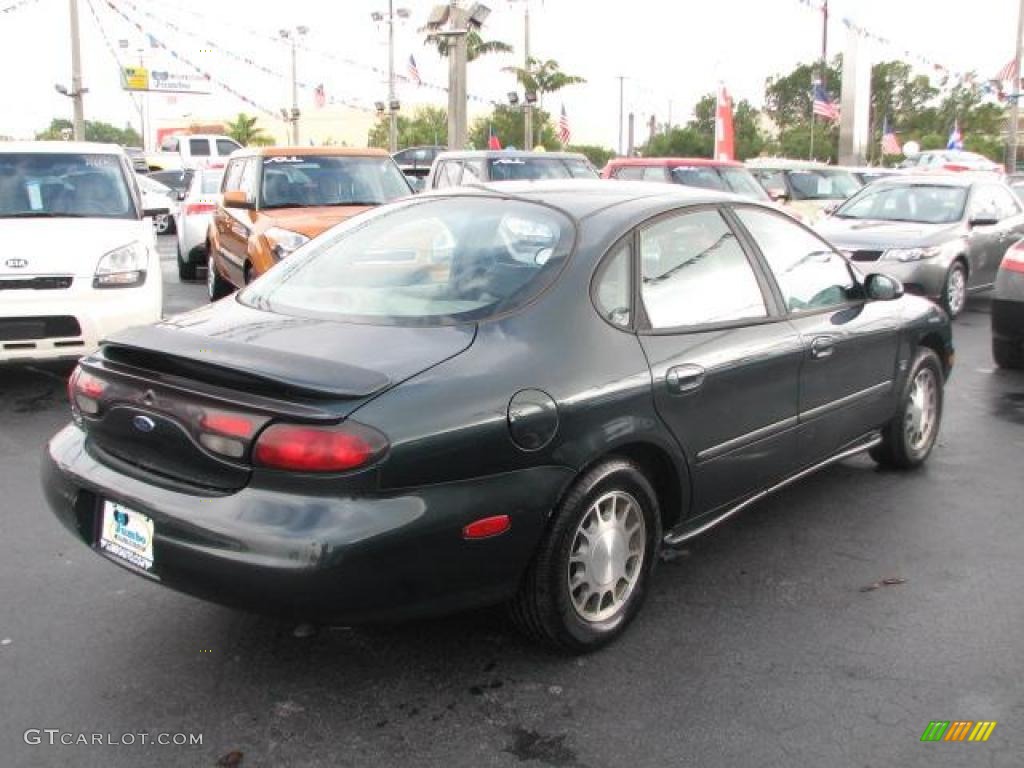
x=719 y=175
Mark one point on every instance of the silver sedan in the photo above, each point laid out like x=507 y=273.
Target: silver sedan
x=192 y=220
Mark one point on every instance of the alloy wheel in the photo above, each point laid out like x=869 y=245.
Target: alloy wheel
x=956 y=290
x=606 y=557
x=211 y=277
x=922 y=410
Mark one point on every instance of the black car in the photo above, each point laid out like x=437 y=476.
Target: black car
x=1008 y=310
x=516 y=392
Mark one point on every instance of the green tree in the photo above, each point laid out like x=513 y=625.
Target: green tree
x=244 y=130
x=699 y=134
x=94 y=131
x=427 y=126
x=788 y=98
x=543 y=77
x=476 y=46
x=507 y=123
x=688 y=141
x=597 y=155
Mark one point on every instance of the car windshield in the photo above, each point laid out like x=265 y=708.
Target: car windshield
x=43 y=185
x=297 y=181
x=923 y=203
x=534 y=168
x=814 y=184
x=430 y=262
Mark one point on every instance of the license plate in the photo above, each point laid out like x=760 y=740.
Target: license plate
x=127 y=535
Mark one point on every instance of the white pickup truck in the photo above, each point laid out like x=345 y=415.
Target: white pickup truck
x=191 y=151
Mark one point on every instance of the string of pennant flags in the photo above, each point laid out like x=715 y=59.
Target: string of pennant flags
x=303 y=46
x=157 y=43
x=106 y=38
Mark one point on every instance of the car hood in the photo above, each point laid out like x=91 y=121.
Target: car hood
x=853 y=234
x=311 y=221
x=313 y=357
x=64 y=246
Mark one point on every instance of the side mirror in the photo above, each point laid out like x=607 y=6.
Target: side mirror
x=236 y=199
x=831 y=208
x=982 y=219
x=778 y=195
x=881 y=287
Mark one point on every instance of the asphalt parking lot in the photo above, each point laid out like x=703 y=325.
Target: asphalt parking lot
x=772 y=641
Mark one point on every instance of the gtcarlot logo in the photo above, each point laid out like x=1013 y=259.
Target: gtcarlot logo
x=54 y=736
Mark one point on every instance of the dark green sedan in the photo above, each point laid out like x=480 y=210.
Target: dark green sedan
x=510 y=393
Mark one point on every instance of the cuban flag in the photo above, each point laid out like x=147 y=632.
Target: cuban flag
x=956 y=140
x=493 y=142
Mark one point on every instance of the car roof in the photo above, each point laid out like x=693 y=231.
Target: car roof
x=500 y=153
x=60 y=147
x=304 y=151
x=671 y=162
x=580 y=198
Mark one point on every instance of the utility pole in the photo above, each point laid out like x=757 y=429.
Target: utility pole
x=292 y=35
x=821 y=67
x=527 y=106
x=392 y=112
x=457 y=90
x=76 y=75
x=622 y=91
x=1011 y=160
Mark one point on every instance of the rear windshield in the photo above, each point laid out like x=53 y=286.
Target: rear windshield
x=534 y=168
x=37 y=185
x=296 y=181
x=822 y=185
x=209 y=182
x=429 y=262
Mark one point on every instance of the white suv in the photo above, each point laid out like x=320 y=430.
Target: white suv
x=79 y=258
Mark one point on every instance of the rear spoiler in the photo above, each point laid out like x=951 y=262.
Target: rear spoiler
x=175 y=351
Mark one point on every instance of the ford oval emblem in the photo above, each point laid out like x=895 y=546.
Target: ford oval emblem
x=16 y=263
x=143 y=423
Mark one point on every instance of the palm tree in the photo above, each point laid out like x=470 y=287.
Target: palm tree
x=542 y=77
x=476 y=46
x=245 y=131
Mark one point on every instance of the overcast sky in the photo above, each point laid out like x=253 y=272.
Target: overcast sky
x=670 y=50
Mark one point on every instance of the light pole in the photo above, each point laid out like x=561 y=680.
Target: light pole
x=529 y=102
x=292 y=36
x=622 y=93
x=77 y=91
x=460 y=21
x=393 y=103
x=1011 y=159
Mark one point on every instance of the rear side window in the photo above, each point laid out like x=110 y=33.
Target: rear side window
x=199 y=147
x=654 y=173
x=695 y=273
x=447 y=175
x=809 y=273
x=629 y=173
x=233 y=176
x=614 y=286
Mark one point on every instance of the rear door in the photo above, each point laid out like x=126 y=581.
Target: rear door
x=1011 y=224
x=724 y=361
x=986 y=241
x=850 y=345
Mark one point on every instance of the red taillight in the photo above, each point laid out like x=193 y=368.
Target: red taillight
x=195 y=208
x=304 y=448
x=1014 y=258
x=954 y=167
x=84 y=391
x=229 y=424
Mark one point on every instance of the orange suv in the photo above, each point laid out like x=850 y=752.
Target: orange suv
x=275 y=199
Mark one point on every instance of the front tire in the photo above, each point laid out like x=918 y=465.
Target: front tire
x=908 y=439
x=589 y=575
x=954 y=290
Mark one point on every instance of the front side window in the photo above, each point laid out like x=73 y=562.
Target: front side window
x=226 y=146
x=199 y=147
x=698 y=176
x=924 y=203
x=1006 y=205
x=741 y=182
x=448 y=174
x=428 y=262
x=297 y=181
x=247 y=178
x=809 y=273
x=629 y=173
x=773 y=182
x=694 y=272
x=51 y=185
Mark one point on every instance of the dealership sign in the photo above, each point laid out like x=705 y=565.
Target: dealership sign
x=162 y=81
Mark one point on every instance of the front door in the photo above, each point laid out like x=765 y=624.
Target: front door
x=234 y=225
x=850 y=345
x=724 y=363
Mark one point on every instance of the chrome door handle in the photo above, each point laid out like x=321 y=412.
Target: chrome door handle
x=822 y=347
x=684 y=378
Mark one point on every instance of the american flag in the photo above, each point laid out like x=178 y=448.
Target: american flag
x=890 y=144
x=564 y=134
x=1009 y=72
x=414 y=71
x=823 y=105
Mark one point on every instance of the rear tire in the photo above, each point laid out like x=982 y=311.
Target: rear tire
x=216 y=286
x=908 y=439
x=186 y=269
x=954 y=289
x=1008 y=354
x=589 y=575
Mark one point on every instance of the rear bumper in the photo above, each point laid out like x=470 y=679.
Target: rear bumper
x=98 y=314
x=370 y=558
x=192 y=237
